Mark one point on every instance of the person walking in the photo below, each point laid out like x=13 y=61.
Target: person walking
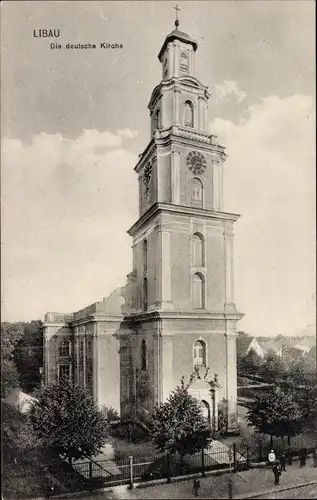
x=302 y=456
x=283 y=461
x=289 y=458
x=272 y=457
x=277 y=472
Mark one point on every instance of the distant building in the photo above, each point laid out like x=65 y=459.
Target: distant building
x=278 y=346
x=304 y=343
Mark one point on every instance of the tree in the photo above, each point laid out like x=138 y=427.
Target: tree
x=178 y=425
x=273 y=368
x=249 y=363
x=306 y=398
x=11 y=333
x=28 y=355
x=302 y=373
x=276 y=413
x=68 y=420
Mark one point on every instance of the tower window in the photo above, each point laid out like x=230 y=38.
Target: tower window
x=199 y=353
x=197 y=193
x=198 y=291
x=188 y=114
x=197 y=250
x=184 y=62
x=143 y=355
x=145 y=290
x=64 y=348
x=145 y=256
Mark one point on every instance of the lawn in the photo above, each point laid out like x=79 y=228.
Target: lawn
x=139 y=450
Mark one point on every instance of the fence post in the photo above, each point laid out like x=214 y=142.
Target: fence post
x=90 y=469
x=131 y=472
x=203 y=473
x=230 y=456
x=168 y=466
x=234 y=457
x=248 y=458
x=260 y=451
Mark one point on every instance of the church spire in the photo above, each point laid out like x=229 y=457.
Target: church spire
x=176 y=20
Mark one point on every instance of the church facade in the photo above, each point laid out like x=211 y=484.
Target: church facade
x=176 y=315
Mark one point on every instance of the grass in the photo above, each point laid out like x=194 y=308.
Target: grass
x=139 y=450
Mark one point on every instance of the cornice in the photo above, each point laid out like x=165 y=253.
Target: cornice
x=143 y=157
x=185 y=136
x=177 y=83
x=181 y=210
x=183 y=315
x=97 y=318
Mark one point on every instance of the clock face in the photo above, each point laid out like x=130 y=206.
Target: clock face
x=196 y=162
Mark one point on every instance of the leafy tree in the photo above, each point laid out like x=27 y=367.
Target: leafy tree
x=249 y=363
x=11 y=333
x=68 y=420
x=301 y=373
x=178 y=425
x=276 y=413
x=306 y=398
x=273 y=368
x=28 y=355
x=243 y=334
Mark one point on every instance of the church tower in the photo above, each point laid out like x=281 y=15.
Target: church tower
x=183 y=316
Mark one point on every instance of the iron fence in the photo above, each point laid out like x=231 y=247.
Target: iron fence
x=165 y=466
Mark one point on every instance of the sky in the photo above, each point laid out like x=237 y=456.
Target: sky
x=74 y=121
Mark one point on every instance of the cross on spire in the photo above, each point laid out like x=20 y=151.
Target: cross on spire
x=176 y=20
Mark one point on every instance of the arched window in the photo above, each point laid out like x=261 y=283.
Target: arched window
x=188 y=114
x=64 y=348
x=145 y=255
x=143 y=355
x=200 y=353
x=198 y=291
x=197 y=193
x=145 y=294
x=198 y=250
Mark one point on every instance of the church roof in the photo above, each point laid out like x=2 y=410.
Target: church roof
x=176 y=34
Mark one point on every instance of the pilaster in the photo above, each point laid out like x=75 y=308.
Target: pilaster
x=217 y=186
x=201 y=112
x=177 y=58
x=167 y=367
x=170 y=60
x=175 y=177
x=231 y=377
x=163 y=281
x=229 y=297
x=95 y=362
x=176 y=96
